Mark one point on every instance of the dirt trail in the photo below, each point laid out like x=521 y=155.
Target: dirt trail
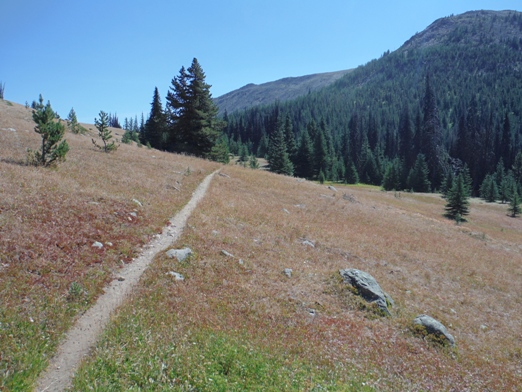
x=82 y=337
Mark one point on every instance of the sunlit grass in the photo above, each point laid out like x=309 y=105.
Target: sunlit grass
x=49 y=219
x=246 y=304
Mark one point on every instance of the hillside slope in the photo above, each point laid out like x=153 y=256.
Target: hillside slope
x=280 y=90
x=237 y=322
x=49 y=220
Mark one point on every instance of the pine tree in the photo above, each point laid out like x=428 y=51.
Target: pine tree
x=72 y=122
x=220 y=152
x=457 y=206
x=291 y=146
x=392 y=180
x=277 y=154
x=253 y=162
x=514 y=204
x=418 y=178
x=506 y=187
x=53 y=149
x=154 y=129
x=489 y=189
x=304 y=157
x=351 y=176
x=447 y=184
x=432 y=133
x=193 y=123
x=104 y=133
x=321 y=158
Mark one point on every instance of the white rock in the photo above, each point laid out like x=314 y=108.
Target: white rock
x=228 y=254
x=137 y=202
x=97 y=244
x=308 y=243
x=175 y=275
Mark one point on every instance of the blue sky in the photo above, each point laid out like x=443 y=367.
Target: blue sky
x=110 y=54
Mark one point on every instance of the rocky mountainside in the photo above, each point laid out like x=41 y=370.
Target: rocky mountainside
x=279 y=90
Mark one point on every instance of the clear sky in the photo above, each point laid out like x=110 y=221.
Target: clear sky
x=110 y=54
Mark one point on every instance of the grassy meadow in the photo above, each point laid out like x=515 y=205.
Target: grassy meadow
x=237 y=322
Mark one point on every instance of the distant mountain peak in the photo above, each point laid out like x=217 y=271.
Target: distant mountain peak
x=472 y=27
x=280 y=90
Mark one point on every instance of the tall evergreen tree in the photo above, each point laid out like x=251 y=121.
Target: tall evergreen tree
x=321 y=158
x=304 y=157
x=291 y=145
x=514 y=203
x=406 y=139
x=193 y=123
x=418 y=180
x=278 y=155
x=458 y=203
x=392 y=176
x=155 y=127
x=432 y=133
x=489 y=189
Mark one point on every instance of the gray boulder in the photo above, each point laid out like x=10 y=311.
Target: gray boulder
x=368 y=288
x=288 y=272
x=180 y=254
x=434 y=327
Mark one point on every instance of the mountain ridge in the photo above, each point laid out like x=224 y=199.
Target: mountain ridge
x=279 y=90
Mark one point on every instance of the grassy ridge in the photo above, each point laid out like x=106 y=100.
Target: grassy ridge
x=238 y=323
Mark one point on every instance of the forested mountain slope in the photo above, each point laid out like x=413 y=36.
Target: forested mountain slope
x=381 y=114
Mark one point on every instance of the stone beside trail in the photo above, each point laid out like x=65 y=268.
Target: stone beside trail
x=179 y=254
x=367 y=287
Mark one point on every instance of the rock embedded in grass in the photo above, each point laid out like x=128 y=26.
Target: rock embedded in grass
x=179 y=254
x=368 y=288
x=434 y=327
x=176 y=275
x=308 y=243
x=97 y=244
x=225 y=253
x=288 y=272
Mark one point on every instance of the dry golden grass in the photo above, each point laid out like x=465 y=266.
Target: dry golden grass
x=468 y=277
x=49 y=219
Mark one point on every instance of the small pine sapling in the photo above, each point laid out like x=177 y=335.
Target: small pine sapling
x=53 y=148
x=253 y=162
x=104 y=133
x=72 y=122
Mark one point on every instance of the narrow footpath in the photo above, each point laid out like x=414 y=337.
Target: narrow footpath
x=84 y=334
